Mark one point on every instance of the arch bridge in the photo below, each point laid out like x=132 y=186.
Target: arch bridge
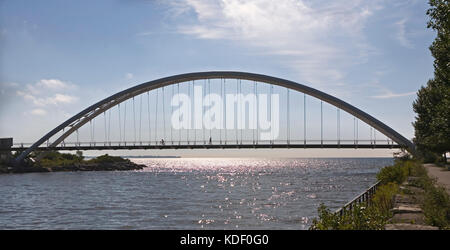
x=56 y=139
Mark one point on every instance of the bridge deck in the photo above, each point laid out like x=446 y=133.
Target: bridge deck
x=210 y=146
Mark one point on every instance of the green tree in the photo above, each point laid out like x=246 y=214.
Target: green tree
x=79 y=154
x=432 y=125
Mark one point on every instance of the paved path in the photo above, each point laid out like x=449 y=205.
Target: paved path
x=442 y=175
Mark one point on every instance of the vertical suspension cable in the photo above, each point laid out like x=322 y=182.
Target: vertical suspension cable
x=321 y=122
x=164 y=114
x=149 y=121
x=188 y=131
x=304 y=119
x=203 y=127
x=271 y=115
x=190 y=112
x=78 y=138
x=209 y=101
x=225 y=108
x=90 y=128
x=120 y=125
x=124 y=122
x=375 y=136
x=156 y=117
x=134 y=121
x=338 y=127
x=93 y=131
x=357 y=132
x=221 y=111
x=237 y=111
x=288 y=118
x=241 y=108
x=140 y=121
x=254 y=112
x=240 y=111
x=257 y=112
x=171 y=113
x=109 y=127
x=178 y=99
x=106 y=130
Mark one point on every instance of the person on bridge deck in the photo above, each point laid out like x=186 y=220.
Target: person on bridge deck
x=210 y=140
x=162 y=142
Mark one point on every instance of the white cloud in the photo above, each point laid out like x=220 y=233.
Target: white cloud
x=45 y=101
x=385 y=93
x=52 y=84
x=49 y=85
x=317 y=39
x=389 y=95
x=129 y=76
x=400 y=36
x=146 y=33
x=10 y=85
x=38 y=112
x=48 y=92
x=61 y=98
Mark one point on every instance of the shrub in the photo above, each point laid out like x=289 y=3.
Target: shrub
x=436 y=207
x=383 y=198
x=359 y=218
x=418 y=171
x=327 y=220
x=394 y=173
x=107 y=158
x=54 y=158
x=429 y=157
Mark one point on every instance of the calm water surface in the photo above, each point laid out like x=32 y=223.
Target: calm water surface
x=186 y=193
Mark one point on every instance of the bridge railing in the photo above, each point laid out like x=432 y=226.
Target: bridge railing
x=363 y=198
x=215 y=142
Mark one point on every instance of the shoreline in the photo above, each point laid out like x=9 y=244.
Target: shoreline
x=107 y=166
x=114 y=163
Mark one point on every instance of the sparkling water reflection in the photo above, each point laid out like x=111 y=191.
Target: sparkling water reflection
x=186 y=193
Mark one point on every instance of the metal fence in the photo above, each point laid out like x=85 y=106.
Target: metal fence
x=365 y=197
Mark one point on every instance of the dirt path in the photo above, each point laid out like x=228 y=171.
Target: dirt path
x=442 y=176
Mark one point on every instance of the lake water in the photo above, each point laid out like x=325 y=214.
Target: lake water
x=186 y=193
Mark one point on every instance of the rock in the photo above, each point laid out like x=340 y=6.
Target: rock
x=29 y=169
x=404 y=199
x=412 y=179
x=411 y=218
x=406 y=226
x=411 y=190
x=106 y=166
x=412 y=208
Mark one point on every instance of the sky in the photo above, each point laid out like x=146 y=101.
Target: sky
x=58 y=57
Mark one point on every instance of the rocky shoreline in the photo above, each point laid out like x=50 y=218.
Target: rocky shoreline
x=102 y=166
